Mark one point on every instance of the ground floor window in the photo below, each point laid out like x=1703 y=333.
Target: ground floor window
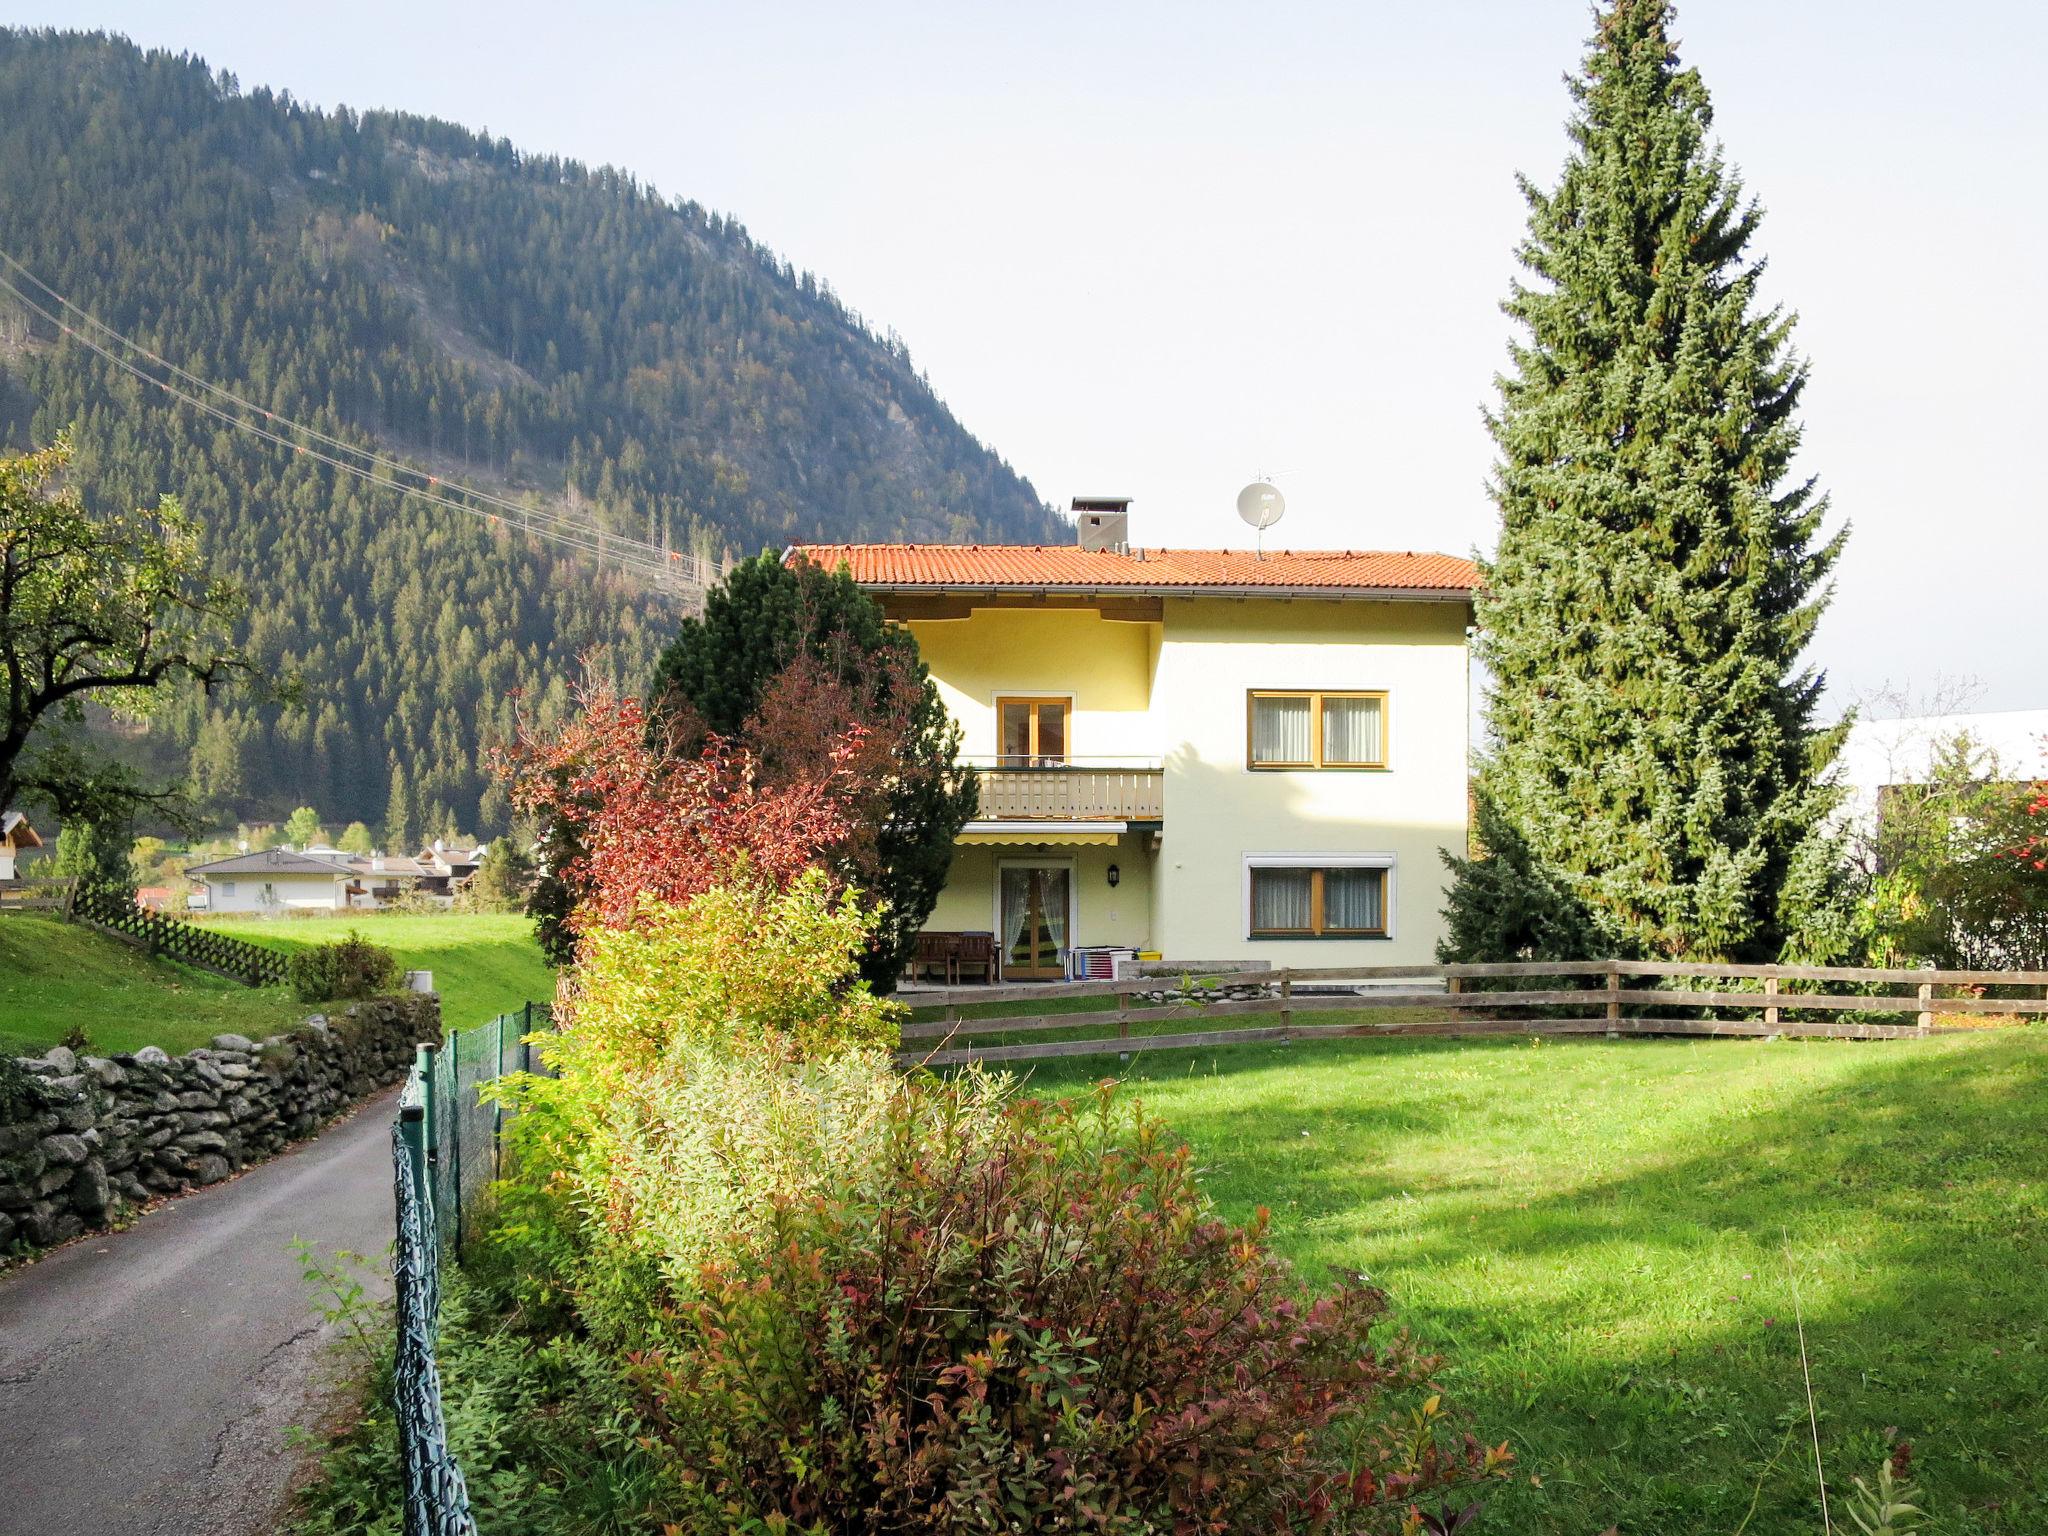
x=1306 y=898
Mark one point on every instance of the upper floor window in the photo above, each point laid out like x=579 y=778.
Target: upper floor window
x=1317 y=728
x=1033 y=732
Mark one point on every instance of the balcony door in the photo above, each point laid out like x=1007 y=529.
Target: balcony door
x=1034 y=919
x=1032 y=732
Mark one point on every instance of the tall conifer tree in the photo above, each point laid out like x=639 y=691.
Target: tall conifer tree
x=1655 y=783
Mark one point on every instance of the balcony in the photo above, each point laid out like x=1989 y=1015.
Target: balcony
x=1069 y=789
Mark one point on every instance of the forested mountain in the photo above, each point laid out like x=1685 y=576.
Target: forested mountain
x=525 y=323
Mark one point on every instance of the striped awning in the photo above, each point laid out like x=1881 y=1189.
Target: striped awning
x=1045 y=834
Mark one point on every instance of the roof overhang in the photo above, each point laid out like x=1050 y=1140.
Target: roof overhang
x=1174 y=589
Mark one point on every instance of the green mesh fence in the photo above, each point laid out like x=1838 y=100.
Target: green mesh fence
x=446 y=1146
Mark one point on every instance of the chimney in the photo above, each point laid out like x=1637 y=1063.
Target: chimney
x=1103 y=522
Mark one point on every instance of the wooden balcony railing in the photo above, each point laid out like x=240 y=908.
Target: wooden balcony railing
x=1076 y=790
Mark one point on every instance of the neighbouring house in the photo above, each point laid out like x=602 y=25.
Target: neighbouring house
x=272 y=880
x=152 y=898
x=1882 y=757
x=15 y=835
x=446 y=869
x=1214 y=755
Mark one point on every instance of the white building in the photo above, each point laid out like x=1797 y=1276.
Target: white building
x=273 y=880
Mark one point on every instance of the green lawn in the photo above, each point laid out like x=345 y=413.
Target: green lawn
x=54 y=976
x=484 y=963
x=1596 y=1235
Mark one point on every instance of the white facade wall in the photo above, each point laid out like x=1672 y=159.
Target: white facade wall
x=273 y=892
x=1221 y=814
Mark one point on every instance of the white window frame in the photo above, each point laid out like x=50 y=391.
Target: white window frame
x=227 y=888
x=1308 y=860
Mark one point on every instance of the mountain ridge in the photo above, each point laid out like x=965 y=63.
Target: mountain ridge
x=521 y=321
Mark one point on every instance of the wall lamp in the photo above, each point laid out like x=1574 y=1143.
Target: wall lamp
x=1115 y=875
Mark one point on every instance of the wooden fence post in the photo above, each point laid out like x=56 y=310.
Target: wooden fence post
x=1287 y=1000
x=1613 y=1000
x=1926 y=1006
x=1123 y=1025
x=1771 y=990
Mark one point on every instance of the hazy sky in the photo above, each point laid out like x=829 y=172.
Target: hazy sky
x=1155 y=250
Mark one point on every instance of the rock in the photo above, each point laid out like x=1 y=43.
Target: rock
x=235 y=1072
x=89 y=1191
x=210 y=1169
x=76 y=1116
x=7 y=1226
x=68 y=1151
x=110 y=1074
x=63 y=1058
x=205 y=1070
x=152 y=1056
x=233 y=1043
x=202 y=1141
x=198 y=1100
x=53 y=1179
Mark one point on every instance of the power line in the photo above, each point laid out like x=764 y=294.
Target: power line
x=653 y=562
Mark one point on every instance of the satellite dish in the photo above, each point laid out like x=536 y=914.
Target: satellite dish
x=1261 y=504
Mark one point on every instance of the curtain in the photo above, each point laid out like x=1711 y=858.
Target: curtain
x=1354 y=899
x=1280 y=900
x=1017 y=940
x=1351 y=731
x=1052 y=891
x=1280 y=730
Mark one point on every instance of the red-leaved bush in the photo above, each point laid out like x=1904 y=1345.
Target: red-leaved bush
x=648 y=822
x=1038 y=1324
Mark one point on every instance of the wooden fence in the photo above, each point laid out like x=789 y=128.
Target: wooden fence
x=1611 y=997
x=113 y=911
x=37 y=895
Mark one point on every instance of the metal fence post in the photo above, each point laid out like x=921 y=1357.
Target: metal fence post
x=498 y=1104
x=455 y=1130
x=423 y=1063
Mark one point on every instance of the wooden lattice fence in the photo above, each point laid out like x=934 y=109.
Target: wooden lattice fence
x=113 y=910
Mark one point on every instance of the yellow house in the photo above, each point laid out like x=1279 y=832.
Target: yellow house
x=1210 y=754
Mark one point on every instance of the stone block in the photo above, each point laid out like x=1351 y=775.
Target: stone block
x=210 y=1169
x=66 y=1150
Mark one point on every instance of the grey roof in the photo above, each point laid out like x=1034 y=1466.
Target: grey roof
x=269 y=861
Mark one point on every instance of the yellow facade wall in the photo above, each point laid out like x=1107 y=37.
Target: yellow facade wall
x=1106 y=915
x=1104 y=665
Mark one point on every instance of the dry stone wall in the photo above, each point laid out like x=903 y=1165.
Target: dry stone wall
x=84 y=1137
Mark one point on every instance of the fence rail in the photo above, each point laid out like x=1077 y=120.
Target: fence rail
x=37 y=895
x=442 y=1117
x=1473 y=999
x=113 y=911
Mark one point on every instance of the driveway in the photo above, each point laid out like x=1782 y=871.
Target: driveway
x=148 y=1377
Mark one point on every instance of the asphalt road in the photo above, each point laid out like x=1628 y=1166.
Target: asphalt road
x=148 y=1377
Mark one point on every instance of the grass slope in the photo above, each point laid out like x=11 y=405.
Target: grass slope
x=483 y=963
x=55 y=976
x=1596 y=1235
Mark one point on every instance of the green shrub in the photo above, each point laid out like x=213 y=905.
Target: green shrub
x=1035 y=1323
x=348 y=968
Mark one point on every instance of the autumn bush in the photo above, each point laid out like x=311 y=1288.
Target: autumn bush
x=1036 y=1323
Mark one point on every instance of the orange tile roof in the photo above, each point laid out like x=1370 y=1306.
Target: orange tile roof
x=1067 y=567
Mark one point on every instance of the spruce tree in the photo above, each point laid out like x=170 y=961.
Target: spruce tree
x=1655 y=783
x=398 y=812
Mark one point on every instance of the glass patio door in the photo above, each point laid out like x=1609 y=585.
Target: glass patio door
x=1034 y=929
